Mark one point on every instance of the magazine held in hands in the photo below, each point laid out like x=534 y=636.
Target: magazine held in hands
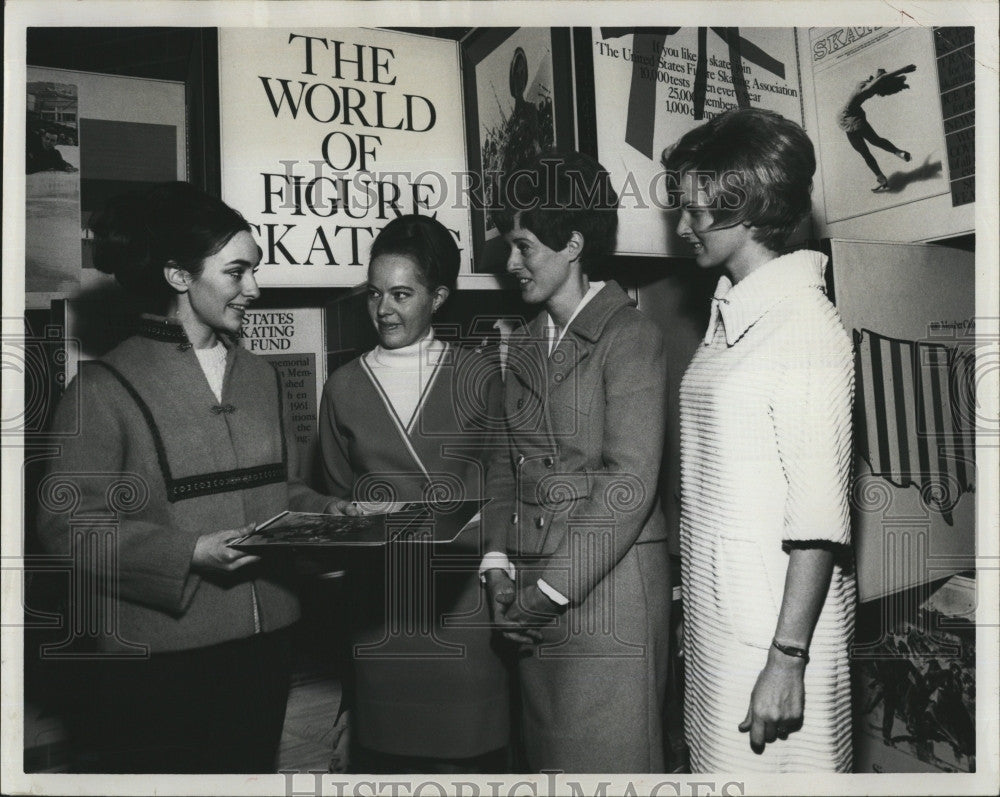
x=413 y=522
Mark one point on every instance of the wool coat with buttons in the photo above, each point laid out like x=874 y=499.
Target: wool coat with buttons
x=575 y=486
x=149 y=457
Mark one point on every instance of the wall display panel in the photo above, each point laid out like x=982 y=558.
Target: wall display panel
x=88 y=137
x=519 y=102
x=910 y=309
x=327 y=135
x=671 y=80
x=292 y=339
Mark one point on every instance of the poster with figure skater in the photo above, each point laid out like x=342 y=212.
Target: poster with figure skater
x=880 y=134
x=518 y=103
x=515 y=104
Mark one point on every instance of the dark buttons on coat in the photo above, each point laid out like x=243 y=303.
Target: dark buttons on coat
x=539 y=522
x=549 y=462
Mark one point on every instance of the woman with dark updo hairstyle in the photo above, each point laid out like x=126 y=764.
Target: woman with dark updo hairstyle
x=193 y=428
x=406 y=422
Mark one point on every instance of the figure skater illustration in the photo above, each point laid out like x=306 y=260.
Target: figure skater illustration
x=852 y=119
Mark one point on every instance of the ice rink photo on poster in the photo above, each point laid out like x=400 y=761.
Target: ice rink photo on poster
x=880 y=137
x=52 y=187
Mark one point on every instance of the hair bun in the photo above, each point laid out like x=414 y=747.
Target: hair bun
x=139 y=234
x=121 y=238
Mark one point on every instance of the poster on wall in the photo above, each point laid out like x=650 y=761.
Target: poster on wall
x=518 y=103
x=327 y=135
x=51 y=187
x=880 y=134
x=292 y=340
x=90 y=136
x=671 y=80
x=910 y=309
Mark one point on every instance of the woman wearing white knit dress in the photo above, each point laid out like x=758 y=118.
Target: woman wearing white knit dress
x=768 y=586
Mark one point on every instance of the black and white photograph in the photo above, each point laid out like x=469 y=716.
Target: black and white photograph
x=492 y=399
x=519 y=103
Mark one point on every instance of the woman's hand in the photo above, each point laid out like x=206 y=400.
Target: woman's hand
x=501 y=592
x=338 y=506
x=777 y=701
x=532 y=608
x=213 y=554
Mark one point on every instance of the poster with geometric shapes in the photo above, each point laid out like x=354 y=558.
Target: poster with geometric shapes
x=914 y=424
x=663 y=82
x=52 y=187
x=911 y=311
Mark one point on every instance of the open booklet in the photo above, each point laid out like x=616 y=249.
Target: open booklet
x=412 y=522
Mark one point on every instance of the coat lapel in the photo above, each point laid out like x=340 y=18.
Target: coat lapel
x=408 y=429
x=583 y=333
x=527 y=356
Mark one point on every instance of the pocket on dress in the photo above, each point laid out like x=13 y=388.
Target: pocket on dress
x=748 y=598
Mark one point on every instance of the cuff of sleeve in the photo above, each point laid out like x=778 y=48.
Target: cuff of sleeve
x=551 y=593
x=496 y=560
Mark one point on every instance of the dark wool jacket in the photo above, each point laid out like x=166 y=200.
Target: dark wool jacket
x=147 y=451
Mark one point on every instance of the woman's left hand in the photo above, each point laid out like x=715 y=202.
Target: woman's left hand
x=777 y=701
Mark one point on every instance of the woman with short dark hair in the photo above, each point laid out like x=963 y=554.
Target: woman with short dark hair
x=765 y=459
x=577 y=570
x=185 y=434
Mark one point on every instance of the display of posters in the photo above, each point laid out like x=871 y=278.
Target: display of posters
x=671 y=80
x=34 y=741
x=329 y=134
x=89 y=137
x=880 y=135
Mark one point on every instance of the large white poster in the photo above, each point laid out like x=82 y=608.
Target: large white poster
x=327 y=135
x=652 y=85
x=880 y=134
